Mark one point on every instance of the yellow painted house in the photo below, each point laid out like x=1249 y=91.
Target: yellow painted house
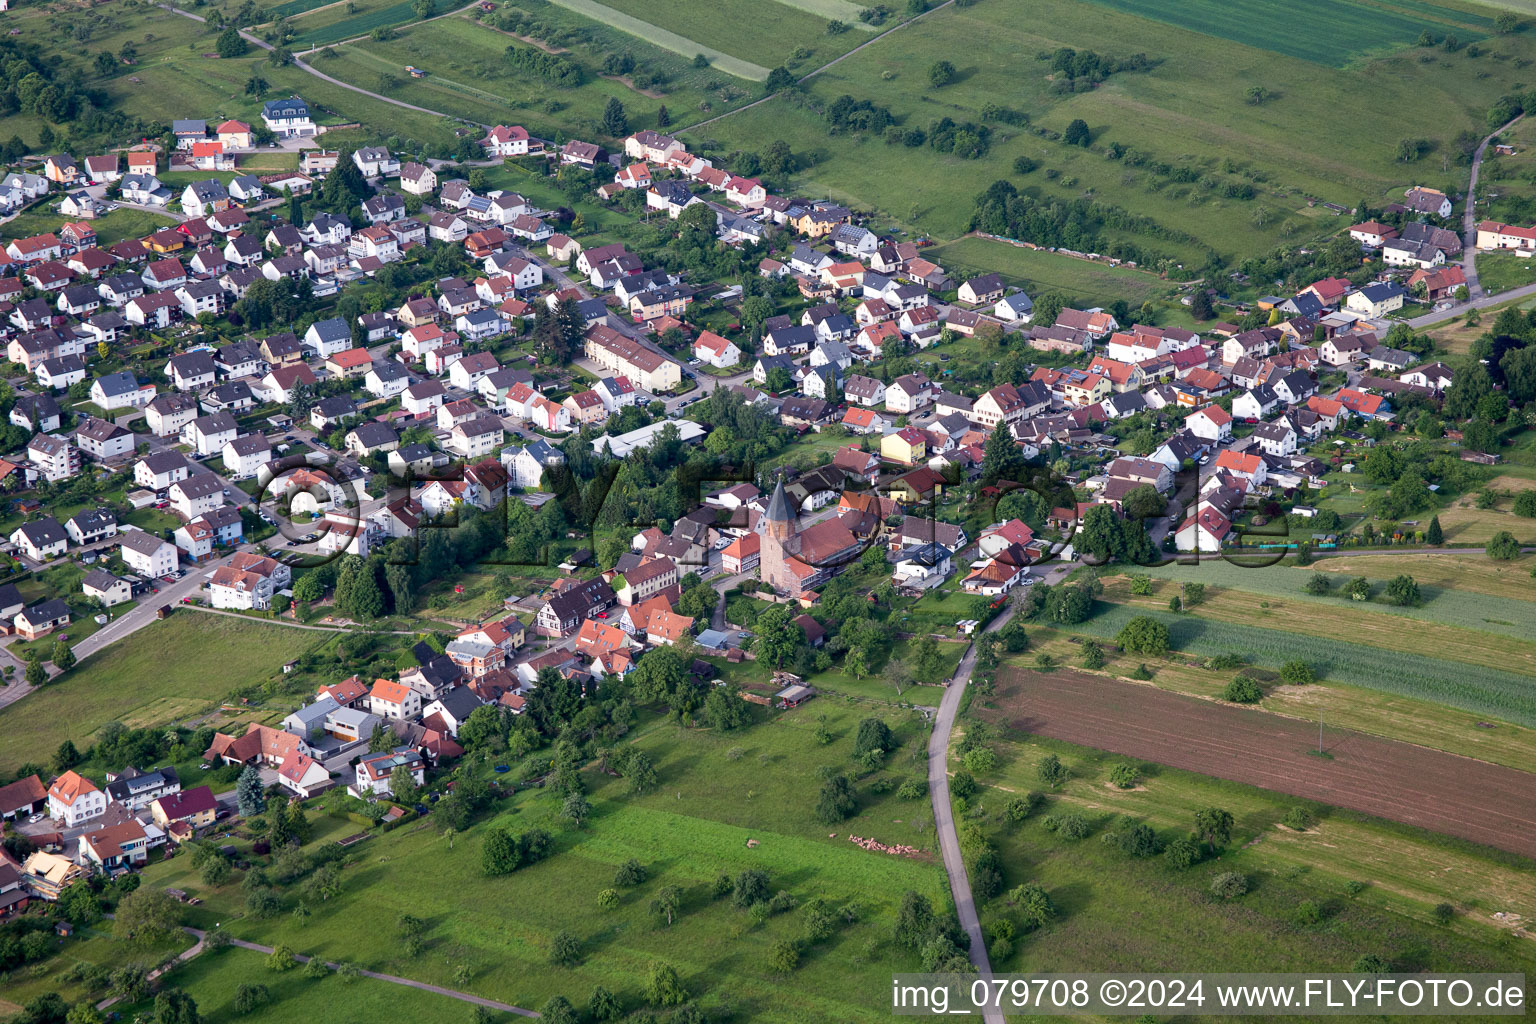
x=1093 y=388
x=908 y=446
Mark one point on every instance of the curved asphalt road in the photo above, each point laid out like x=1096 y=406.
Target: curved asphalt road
x=943 y=814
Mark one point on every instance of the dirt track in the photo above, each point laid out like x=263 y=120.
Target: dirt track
x=1400 y=781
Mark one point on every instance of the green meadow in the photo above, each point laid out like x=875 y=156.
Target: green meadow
x=1372 y=884
x=723 y=803
x=1191 y=110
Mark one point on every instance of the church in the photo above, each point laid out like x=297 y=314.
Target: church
x=794 y=560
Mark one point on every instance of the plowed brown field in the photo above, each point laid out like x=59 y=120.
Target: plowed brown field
x=1442 y=792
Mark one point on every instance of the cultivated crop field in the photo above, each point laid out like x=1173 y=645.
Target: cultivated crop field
x=1463 y=609
x=1339 y=618
x=764 y=33
x=293 y=8
x=724 y=803
x=335 y=23
x=1115 y=911
x=1507 y=695
x=1355 y=30
x=664 y=38
x=1336 y=704
x=1190 y=110
x=1429 y=789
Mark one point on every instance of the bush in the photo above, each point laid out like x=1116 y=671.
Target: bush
x=630 y=873
x=1370 y=963
x=980 y=761
x=1020 y=807
x=1125 y=775
x=1229 y=885
x=913 y=789
x=1296 y=673
x=1243 y=690
x=1503 y=547
x=1182 y=853
x=1298 y=818
x=963 y=785
x=1354 y=888
x=749 y=889
x=1069 y=826
x=1443 y=913
x=1137 y=841
x=1308 y=913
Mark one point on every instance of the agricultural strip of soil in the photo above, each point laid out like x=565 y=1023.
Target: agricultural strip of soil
x=1430 y=789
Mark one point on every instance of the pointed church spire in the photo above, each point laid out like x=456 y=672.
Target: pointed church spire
x=778 y=505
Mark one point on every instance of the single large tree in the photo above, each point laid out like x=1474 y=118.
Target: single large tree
x=249 y=799
x=778 y=635
x=615 y=122
x=1001 y=456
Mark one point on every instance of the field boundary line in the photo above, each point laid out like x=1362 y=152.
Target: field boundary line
x=667 y=40
x=839 y=10
x=811 y=74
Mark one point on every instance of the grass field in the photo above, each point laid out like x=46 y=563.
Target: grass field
x=1455 y=336
x=471 y=77
x=684 y=46
x=194 y=660
x=1356 y=30
x=1501 y=271
x=1500 y=693
x=110 y=229
x=92 y=945
x=1115 y=912
x=211 y=980
x=1037 y=271
x=1504 y=580
x=716 y=793
x=1190 y=110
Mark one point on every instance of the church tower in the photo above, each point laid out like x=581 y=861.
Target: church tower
x=778 y=543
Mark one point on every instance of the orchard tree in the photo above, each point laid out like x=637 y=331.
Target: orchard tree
x=1051 y=771
x=1213 y=827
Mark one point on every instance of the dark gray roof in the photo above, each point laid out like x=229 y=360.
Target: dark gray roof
x=43 y=532
x=118 y=384
x=778 y=505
